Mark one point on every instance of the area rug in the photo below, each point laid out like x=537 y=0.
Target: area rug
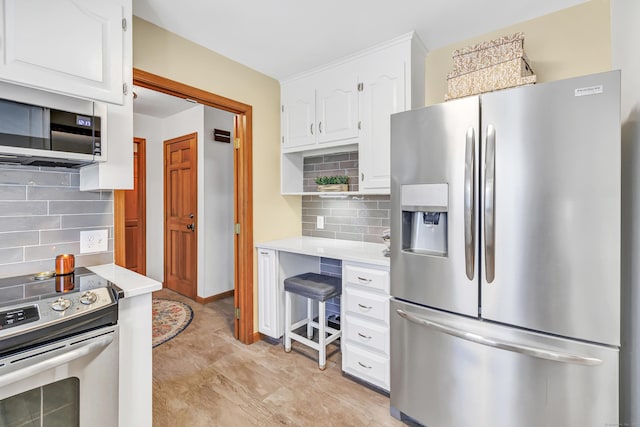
x=169 y=319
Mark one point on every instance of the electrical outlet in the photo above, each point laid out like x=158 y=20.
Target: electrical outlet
x=94 y=241
x=320 y=222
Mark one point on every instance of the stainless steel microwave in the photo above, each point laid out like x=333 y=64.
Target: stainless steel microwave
x=41 y=136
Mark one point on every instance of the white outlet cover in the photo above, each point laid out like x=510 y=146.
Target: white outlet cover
x=94 y=241
x=320 y=222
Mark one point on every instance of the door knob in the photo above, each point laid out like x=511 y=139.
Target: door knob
x=191 y=227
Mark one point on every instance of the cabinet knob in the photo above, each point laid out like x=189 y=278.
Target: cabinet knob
x=320 y=127
x=311 y=128
x=362 y=176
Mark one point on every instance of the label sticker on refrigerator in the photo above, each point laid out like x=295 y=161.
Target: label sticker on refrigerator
x=591 y=90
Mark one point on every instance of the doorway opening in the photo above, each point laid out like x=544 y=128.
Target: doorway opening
x=242 y=194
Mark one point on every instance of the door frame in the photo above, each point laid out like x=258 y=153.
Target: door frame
x=243 y=191
x=119 y=223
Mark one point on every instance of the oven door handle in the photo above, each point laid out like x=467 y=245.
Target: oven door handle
x=82 y=349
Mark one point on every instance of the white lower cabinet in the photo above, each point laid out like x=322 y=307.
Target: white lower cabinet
x=365 y=323
x=270 y=306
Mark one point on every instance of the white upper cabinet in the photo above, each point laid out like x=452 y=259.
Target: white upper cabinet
x=320 y=109
x=73 y=47
x=117 y=172
x=337 y=105
x=298 y=114
x=383 y=94
x=347 y=106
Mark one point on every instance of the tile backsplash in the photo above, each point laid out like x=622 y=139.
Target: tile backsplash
x=42 y=212
x=330 y=165
x=360 y=218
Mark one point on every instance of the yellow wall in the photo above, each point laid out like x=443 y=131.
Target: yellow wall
x=569 y=43
x=163 y=53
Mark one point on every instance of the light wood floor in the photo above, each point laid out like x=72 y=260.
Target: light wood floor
x=204 y=377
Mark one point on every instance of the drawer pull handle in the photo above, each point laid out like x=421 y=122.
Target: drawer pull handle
x=362 y=279
x=366 y=337
x=365 y=307
x=364 y=366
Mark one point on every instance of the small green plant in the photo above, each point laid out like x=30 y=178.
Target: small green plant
x=338 y=179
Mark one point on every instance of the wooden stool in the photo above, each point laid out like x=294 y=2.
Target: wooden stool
x=314 y=287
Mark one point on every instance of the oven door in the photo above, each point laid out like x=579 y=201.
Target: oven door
x=70 y=382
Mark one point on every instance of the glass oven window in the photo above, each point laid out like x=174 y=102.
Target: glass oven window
x=55 y=404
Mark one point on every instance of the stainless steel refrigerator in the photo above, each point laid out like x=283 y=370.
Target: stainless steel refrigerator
x=505 y=257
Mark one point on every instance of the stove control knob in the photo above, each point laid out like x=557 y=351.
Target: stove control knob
x=88 y=298
x=61 y=304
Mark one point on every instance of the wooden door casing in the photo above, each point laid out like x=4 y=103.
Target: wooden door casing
x=135 y=233
x=180 y=211
x=243 y=190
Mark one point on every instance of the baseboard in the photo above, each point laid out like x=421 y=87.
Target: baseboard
x=213 y=298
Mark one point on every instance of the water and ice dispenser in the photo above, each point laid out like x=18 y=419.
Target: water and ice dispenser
x=424 y=218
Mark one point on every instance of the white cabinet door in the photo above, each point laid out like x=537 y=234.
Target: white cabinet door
x=268 y=294
x=73 y=47
x=337 y=106
x=298 y=114
x=383 y=94
x=116 y=173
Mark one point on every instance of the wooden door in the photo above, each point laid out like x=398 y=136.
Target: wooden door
x=180 y=210
x=135 y=213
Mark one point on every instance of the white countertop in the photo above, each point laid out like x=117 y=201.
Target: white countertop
x=132 y=283
x=345 y=250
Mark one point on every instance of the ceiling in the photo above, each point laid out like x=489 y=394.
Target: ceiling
x=281 y=38
x=158 y=104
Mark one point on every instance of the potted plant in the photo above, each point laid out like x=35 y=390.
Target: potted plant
x=333 y=183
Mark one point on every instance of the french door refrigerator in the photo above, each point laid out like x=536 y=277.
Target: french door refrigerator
x=505 y=257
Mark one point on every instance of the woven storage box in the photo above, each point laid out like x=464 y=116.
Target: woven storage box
x=515 y=72
x=487 y=54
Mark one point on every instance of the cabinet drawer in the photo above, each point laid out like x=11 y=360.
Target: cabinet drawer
x=366 y=365
x=371 y=278
x=368 y=334
x=367 y=304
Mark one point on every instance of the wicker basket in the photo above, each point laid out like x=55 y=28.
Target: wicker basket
x=487 y=54
x=515 y=72
x=488 y=66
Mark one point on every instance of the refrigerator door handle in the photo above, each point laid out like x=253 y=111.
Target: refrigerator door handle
x=489 y=205
x=538 y=352
x=469 y=203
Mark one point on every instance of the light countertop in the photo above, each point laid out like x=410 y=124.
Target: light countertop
x=132 y=283
x=345 y=250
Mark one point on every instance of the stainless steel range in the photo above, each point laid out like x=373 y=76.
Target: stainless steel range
x=59 y=350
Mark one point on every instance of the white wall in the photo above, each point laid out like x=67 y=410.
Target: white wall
x=625 y=39
x=215 y=194
x=218 y=257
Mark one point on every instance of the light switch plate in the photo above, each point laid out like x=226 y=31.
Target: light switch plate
x=320 y=222
x=94 y=241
